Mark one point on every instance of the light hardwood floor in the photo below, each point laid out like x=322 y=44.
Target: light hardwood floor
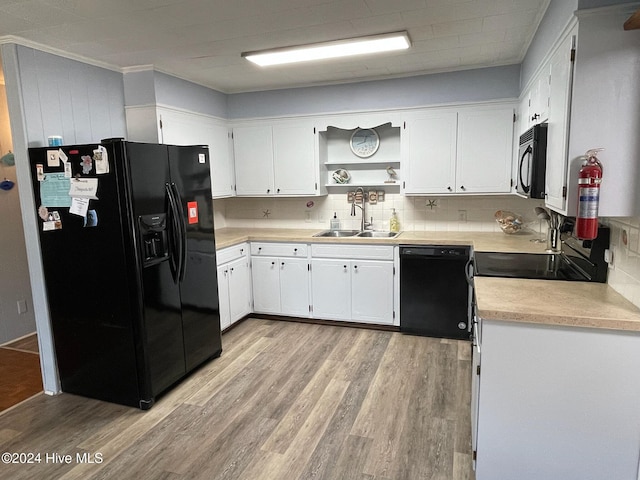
x=284 y=401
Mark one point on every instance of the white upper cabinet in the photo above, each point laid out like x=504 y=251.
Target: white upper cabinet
x=485 y=139
x=276 y=158
x=176 y=127
x=539 y=98
x=561 y=67
x=221 y=154
x=295 y=161
x=534 y=104
x=253 y=153
x=429 y=152
x=466 y=150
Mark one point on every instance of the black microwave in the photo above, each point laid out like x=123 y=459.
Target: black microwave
x=532 y=162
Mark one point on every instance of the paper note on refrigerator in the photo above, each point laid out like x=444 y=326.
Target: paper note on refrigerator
x=101 y=159
x=79 y=206
x=54 y=190
x=84 y=188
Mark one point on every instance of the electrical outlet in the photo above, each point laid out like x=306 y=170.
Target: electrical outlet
x=462 y=215
x=22 y=307
x=307 y=217
x=321 y=217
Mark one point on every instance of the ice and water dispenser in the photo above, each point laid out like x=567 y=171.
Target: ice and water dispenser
x=155 y=245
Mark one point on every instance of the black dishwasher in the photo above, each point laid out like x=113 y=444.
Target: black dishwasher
x=435 y=291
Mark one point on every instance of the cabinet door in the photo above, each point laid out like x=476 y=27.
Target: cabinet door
x=429 y=155
x=294 y=286
x=558 y=126
x=266 y=285
x=223 y=296
x=331 y=289
x=524 y=119
x=295 y=161
x=239 y=289
x=539 y=99
x=183 y=128
x=485 y=139
x=253 y=151
x=221 y=155
x=372 y=291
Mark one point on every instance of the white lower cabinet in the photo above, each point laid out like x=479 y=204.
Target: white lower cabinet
x=355 y=288
x=331 y=289
x=234 y=284
x=281 y=286
x=266 y=285
x=372 y=291
x=354 y=283
x=557 y=403
x=280 y=273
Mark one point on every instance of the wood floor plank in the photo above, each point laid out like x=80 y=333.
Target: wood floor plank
x=280 y=440
x=369 y=353
x=352 y=458
x=286 y=401
x=294 y=460
x=228 y=367
x=277 y=378
x=384 y=413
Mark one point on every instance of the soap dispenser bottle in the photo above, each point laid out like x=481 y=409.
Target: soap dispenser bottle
x=394 y=223
x=335 y=222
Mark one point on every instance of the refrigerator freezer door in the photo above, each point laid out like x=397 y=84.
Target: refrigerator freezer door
x=199 y=286
x=162 y=326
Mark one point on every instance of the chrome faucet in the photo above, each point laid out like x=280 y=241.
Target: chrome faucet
x=363 y=224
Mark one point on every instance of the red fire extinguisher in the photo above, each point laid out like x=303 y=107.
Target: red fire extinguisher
x=589 y=180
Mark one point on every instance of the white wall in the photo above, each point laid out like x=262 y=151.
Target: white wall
x=624 y=276
x=478 y=85
x=14 y=273
x=557 y=16
x=148 y=87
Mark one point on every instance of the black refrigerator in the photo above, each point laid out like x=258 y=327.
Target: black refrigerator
x=128 y=252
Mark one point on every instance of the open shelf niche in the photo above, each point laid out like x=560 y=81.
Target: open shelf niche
x=335 y=153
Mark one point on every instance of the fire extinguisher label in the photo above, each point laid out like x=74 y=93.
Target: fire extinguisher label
x=588 y=202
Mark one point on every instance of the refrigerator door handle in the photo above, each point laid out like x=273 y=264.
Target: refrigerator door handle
x=176 y=256
x=183 y=233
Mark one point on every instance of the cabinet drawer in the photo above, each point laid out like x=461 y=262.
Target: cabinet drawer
x=372 y=252
x=279 y=249
x=231 y=253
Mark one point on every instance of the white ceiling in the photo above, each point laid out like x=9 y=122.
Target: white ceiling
x=201 y=40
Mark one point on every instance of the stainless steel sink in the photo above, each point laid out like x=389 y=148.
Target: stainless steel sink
x=378 y=234
x=337 y=233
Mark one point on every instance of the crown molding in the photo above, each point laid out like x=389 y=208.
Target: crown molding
x=12 y=39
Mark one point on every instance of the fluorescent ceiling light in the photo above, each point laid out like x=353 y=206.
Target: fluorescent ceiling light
x=339 y=48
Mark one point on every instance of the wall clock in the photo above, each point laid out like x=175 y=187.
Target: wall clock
x=364 y=142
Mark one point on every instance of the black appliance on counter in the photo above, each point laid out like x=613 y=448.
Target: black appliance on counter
x=532 y=162
x=126 y=234
x=579 y=260
x=434 y=291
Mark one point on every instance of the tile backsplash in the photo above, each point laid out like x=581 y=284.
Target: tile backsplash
x=414 y=213
x=624 y=276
